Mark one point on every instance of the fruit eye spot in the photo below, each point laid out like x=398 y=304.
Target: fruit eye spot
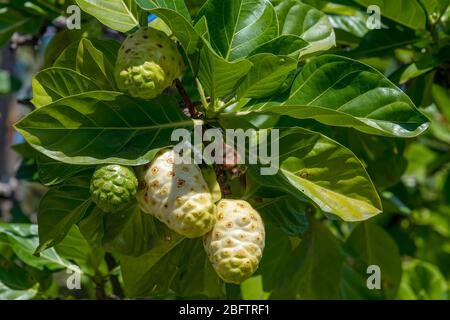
x=181 y=183
x=142 y=185
x=229 y=225
x=155 y=170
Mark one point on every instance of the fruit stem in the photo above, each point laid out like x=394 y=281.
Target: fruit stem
x=187 y=101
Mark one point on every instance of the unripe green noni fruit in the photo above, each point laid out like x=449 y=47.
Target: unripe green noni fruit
x=113 y=187
x=177 y=195
x=236 y=243
x=147 y=63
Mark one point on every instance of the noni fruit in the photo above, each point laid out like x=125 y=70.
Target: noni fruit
x=113 y=186
x=177 y=195
x=147 y=63
x=236 y=242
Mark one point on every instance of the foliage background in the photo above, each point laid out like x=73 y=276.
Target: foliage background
x=314 y=257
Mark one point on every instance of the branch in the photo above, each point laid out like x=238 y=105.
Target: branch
x=117 y=288
x=187 y=101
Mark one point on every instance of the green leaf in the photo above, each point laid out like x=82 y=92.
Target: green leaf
x=61 y=208
x=253 y=289
x=354 y=25
x=9 y=294
x=218 y=76
x=324 y=171
x=94 y=59
x=174 y=15
x=172 y=264
x=53 y=84
x=120 y=15
x=239 y=26
x=175 y=5
x=370 y=245
x=64 y=38
x=422 y=281
x=266 y=76
x=406 y=12
x=23 y=240
x=286 y=212
x=103 y=127
x=10 y=21
x=284 y=45
x=441 y=97
x=312 y=25
x=383 y=157
x=338 y=91
x=129 y=233
x=382 y=42
x=319 y=250
x=52 y=172
x=277 y=253
x=75 y=248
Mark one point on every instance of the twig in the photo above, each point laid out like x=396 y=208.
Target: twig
x=117 y=288
x=187 y=101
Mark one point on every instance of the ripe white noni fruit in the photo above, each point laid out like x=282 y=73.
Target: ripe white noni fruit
x=177 y=195
x=236 y=242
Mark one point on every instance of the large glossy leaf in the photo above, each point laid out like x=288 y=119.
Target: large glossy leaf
x=286 y=45
x=354 y=25
x=370 y=245
x=61 y=208
x=312 y=25
x=103 y=127
x=383 y=157
x=314 y=268
x=23 y=239
x=7 y=293
x=277 y=253
x=324 y=171
x=173 y=264
x=218 y=76
x=120 y=15
x=130 y=233
x=94 y=59
x=286 y=212
x=406 y=12
x=175 y=5
x=239 y=26
x=422 y=281
x=52 y=172
x=174 y=15
x=53 y=84
x=266 y=76
x=382 y=42
x=76 y=248
x=338 y=91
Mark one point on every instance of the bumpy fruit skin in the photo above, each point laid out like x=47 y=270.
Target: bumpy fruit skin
x=236 y=243
x=177 y=195
x=147 y=63
x=113 y=187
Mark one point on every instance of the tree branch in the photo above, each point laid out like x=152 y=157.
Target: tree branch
x=187 y=101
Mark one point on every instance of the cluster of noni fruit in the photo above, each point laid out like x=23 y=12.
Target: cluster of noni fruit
x=176 y=194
